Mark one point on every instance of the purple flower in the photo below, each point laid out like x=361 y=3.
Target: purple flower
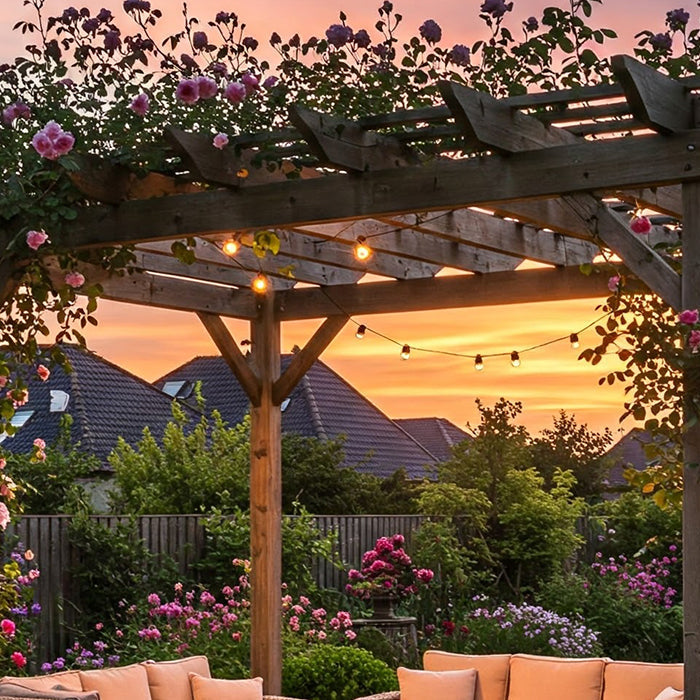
x=52 y=142
x=251 y=83
x=270 y=81
x=104 y=16
x=677 y=20
x=199 y=40
x=187 y=91
x=112 y=41
x=614 y=283
x=18 y=110
x=459 y=55
x=362 y=39
x=188 y=61
x=223 y=17
x=91 y=25
x=220 y=141
x=70 y=14
x=250 y=43
x=430 y=31
x=219 y=70
x=140 y=104
x=496 y=8
x=207 y=87
x=661 y=42
x=531 y=24
x=338 y=35
x=689 y=317
x=380 y=50
x=235 y=93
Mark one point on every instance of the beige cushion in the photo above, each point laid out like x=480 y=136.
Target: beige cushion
x=168 y=680
x=670 y=694
x=492 y=670
x=118 y=683
x=635 y=680
x=547 y=678
x=66 y=679
x=16 y=690
x=216 y=689
x=446 y=685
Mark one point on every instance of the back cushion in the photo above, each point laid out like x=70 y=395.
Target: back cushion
x=118 y=683
x=70 y=680
x=168 y=680
x=491 y=670
x=634 y=680
x=547 y=678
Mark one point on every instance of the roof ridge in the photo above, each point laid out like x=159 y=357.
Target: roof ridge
x=313 y=407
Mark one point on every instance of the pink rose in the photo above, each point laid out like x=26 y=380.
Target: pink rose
x=689 y=317
x=52 y=141
x=694 y=341
x=220 y=140
x=18 y=110
x=8 y=627
x=38 y=442
x=4 y=516
x=235 y=93
x=207 y=87
x=251 y=83
x=75 y=279
x=640 y=224
x=187 y=91
x=614 y=283
x=43 y=372
x=35 y=239
x=18 y=659
x=140 y=104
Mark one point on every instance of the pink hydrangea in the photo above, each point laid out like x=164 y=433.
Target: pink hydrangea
x=640 y=224
x=35 y=239
x=235 y=93
x=220 y=141
x=4 y=516
x=207 y=87
x=74 y=279
x=614 y=283
x=140 y=104
x=689 y=317
x=187 y=91
x=52 y=141
x=43 y=372
x=694 y=341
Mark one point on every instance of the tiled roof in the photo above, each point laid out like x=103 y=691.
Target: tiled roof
x=105 y=401
x=627 y=452
x=437 y=435
x=322 y=405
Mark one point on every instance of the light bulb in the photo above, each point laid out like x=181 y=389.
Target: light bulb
x=362 y=250
x=259 y=284
x=478 y=363
x=405 y=352
x=574 y=340
x=360 y=332
x=231 y=247
x=515 y=358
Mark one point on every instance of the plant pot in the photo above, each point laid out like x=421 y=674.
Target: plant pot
x=383 y=606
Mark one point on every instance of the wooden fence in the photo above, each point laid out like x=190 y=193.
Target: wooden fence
x=182 y=538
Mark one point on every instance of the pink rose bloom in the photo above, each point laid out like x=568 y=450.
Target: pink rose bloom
x=43 y=146
x=614 y=283
x=52 y=141
x=75 y=279
x=53 y=130
x=694 y=341
x=349 y=634
x=251 y=83
x=35 y=239
x=43 y=372
x=187 y=91
x=8 y=627
x=3 y=380
x=235 y=93
x=4 y=516
x=18 y=659
x=689 y=317
x=38 y=442
x=220 y=141
x=640 y=224
x=140 y=104
x=18 y=110
x=207 y=87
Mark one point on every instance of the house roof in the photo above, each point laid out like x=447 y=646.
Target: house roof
x=438 y=435
x=628 y=452
x=322 y=405
x=105 y=401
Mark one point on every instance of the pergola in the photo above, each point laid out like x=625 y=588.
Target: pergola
x=508 y=180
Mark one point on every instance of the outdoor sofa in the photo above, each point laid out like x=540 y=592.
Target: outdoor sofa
x=528 y=677
x=182 y=679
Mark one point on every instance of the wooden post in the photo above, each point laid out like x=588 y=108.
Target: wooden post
x=266 y=505
x=691 y=454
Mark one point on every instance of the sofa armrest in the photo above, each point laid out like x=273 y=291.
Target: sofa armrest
x=392 y=695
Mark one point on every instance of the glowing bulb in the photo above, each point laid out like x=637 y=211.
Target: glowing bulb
x=362 y=250
x=231 y=247
x=259 y=284
x=574 y=340
x=360 y=332
x=515 y=358
x=478 y=363
x=405 y=352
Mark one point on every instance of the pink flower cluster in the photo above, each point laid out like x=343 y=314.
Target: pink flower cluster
x=52 y=141
x=17 y=110
x=191 y=90
x=315 y=623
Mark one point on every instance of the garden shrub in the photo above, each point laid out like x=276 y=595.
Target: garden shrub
x=336 y=673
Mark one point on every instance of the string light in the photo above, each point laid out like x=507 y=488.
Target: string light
x=515 y=358
x=478 y=363
x=231 y=247
x=574 y=340
x=360 y=332
x=361 y=250
x=405 y=352
x=260 y=283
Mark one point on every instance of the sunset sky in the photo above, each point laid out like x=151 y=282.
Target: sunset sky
x=150 y=342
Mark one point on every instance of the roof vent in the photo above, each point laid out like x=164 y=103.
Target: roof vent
x=59 y=401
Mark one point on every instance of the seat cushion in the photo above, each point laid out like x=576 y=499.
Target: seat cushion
x=16 y=690
x=168 y=680
x=446 y=685
x=670 y=694
x=491 y=670
x=70 y=680
x=547 y=678
x=635 y=680
x=217 y=689
x=111 y=683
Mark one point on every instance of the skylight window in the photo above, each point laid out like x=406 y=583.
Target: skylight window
x=179 y=389
x=17 y=421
